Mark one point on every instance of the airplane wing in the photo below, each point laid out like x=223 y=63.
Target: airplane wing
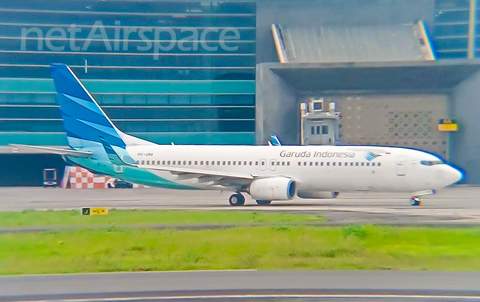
x=195 y=173
x=51 y=150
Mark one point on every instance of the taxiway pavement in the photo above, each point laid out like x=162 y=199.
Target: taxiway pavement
x=456 y=205
x=249 y=285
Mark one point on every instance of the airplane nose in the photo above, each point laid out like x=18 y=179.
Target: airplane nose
x=454 y=175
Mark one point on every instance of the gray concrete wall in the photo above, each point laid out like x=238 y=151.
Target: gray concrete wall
x=465 y=144
x=276 y=108
x=333 y=12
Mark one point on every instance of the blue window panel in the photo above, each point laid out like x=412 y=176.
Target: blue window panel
x=223 y=99
x=58 y=17
x=244 y=99
x=157 y=99
x=135 y=99
x=21 y=99
x=179 y=99
x=140 y=73
x=110 y=99
x=201 y=99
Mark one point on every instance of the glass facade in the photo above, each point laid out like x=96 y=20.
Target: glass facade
x=451 y=28
x=181 y=71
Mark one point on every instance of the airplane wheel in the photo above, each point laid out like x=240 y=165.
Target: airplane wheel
x=236 y=200
x=415 y=201
x=264 y=202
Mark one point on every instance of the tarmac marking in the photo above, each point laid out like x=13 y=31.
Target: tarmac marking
x=269 y=296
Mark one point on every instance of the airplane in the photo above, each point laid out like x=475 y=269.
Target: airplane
x=266 y=173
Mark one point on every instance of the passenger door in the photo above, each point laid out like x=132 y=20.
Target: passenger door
x=402 y=165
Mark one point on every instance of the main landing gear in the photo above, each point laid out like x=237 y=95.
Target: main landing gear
x=238 y=200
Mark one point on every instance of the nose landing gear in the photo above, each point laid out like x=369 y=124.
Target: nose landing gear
x=415 y=201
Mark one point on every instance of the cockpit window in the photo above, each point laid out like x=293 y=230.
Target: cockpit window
x=431 y=162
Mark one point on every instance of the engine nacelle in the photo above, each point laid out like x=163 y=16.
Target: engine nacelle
x=276 y=188
x=316 y=194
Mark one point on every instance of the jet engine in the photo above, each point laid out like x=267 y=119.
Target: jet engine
x=316 y=194
x=276 y=188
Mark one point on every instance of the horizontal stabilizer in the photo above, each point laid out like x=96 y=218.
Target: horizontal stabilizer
x=50 y=150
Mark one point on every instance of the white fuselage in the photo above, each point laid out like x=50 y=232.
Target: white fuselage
x=313 y=168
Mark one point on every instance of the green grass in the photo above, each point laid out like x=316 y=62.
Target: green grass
x=278 y=247
x=121 y=217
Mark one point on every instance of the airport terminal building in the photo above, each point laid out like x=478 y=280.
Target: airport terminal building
x=395 y=73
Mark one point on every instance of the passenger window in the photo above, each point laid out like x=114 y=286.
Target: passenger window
x=173 y=162
x=328 y=163
x=321 y=164
x=311 y=163
x=229 y=163
x=283 y=163
x=206 y=163
x=143 y=162
x=184 y=163
x=189 y=162
x=233 y=163
x=239 y=163
x=148 y=162
x=168 y=163
x=379 y=164
x=304 y=163
x=195 y=163
x=333 y=164
x=218 y=163
x=368 y=164
x=163 y=162
x=244 y=163
x=299 y=163
x=316 y=163
x=213 y=163
x=339 y=163
x=251 y=163
x=363 y=164
x=288 y=163
x=356 y=164
x=256 y=163
x=223 y=163
x=346 y=164
x=351 y=164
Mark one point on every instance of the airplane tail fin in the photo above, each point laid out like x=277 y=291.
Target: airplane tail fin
x=274 y=141
x=84 y=120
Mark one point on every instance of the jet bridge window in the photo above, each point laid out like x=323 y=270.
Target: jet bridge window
x=313 y=130
x=324 y=129
x=318 y=129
